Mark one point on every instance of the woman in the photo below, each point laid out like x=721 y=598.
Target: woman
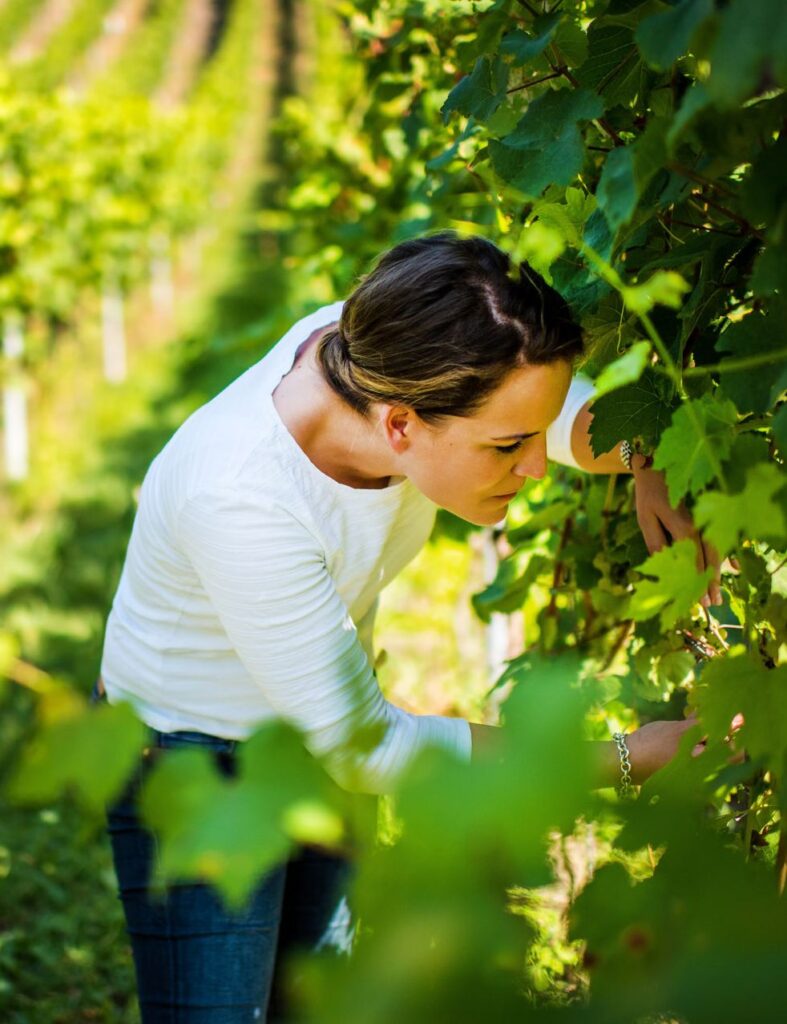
x=267 y=527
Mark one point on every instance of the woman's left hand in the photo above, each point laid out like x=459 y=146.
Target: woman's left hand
x=660 y=523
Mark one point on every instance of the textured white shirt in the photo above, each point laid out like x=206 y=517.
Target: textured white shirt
x=251 y=581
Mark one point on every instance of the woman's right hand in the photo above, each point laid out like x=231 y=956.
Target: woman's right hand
x=653 y=745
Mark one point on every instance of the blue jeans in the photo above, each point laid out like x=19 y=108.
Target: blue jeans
x=195 y=961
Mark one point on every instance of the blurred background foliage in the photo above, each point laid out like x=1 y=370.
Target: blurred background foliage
x=265 y=153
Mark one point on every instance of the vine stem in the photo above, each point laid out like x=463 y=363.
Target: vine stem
x=735 y=217
x=696 y=227
x=617 y=647
x=534 y=81
x=527 y=7
x=557 y=576
x=744 y=363
x=687 y=172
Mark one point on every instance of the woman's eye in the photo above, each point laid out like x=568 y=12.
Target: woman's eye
x=508 y=448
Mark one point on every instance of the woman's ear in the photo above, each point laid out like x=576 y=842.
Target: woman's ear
x=397 y=423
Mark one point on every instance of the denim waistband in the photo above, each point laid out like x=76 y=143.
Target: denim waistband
x=179 y=738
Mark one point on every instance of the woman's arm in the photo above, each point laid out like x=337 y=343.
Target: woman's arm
x=266 y=578
x=650 y=748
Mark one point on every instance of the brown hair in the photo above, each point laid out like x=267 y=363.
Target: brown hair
x=438 y=323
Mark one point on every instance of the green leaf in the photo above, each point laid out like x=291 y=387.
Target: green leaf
x=667 y=35
x=523 y=47
x=90 y=754
x=754 y=390
x=677 y=587
x=229 y=831
x=568 y=217
x=754 y=514
x=696 y=100
x=480 y=93
x=765 y=189
x=540 y=245
x=613 y=66
x=546 y=147
x=627 y=171
x=664 y=288
x=515 y=577
x=697 y=440
x=739 y=684
x=780 y=428
x=572 y=42
x=751 y=43
x=636 y=411
x=625 y=370
x=551 y=515
x=770 y=271
x=617 y=191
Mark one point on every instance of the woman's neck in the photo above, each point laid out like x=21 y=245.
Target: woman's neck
x=339 y=441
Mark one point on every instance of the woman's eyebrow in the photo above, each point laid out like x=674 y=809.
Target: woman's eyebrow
x=510 y=437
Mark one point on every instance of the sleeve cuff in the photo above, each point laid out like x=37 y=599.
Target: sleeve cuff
x=580 y=391
x=451 y=734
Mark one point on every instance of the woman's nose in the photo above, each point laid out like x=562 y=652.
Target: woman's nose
x=534 y=463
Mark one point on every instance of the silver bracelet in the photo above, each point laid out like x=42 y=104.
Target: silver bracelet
x=625 y=789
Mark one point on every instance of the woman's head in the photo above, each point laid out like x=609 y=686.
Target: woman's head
x=447 y=328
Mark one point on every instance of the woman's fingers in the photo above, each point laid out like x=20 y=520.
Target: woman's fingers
x=652 y=531
x=713 y=560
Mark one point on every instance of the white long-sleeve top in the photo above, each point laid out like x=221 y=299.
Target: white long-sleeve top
x=251 y=581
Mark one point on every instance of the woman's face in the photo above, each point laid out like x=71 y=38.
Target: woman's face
x=473 y=465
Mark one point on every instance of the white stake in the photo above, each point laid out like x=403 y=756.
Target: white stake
x=162 y=291
x=15 y=436
x=114 y=333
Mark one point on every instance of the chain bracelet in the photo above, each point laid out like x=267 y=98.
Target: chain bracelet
x=625 y=789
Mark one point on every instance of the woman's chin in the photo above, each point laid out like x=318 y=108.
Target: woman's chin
x=486 y=514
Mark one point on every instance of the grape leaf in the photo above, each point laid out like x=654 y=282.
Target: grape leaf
x=770 y=271
x=617 y=191
x=753 y=391
x=765 y=189
x=780 y=428
x=523 y=47
x=571 y=41
x=677 y=587
x=755 y=513
x=613 y=65
x=751 y=39
x=638 y=410
x=514 y=578
x=665 y=36
x=540 y=245
x=665 y=288
x=229 y=831
x=546 y=146
x=697 y=440
x=627 y=171
x=480 y=93
x=90 y=753
x=628 y=368
x=694 y=103
x=740 y=684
